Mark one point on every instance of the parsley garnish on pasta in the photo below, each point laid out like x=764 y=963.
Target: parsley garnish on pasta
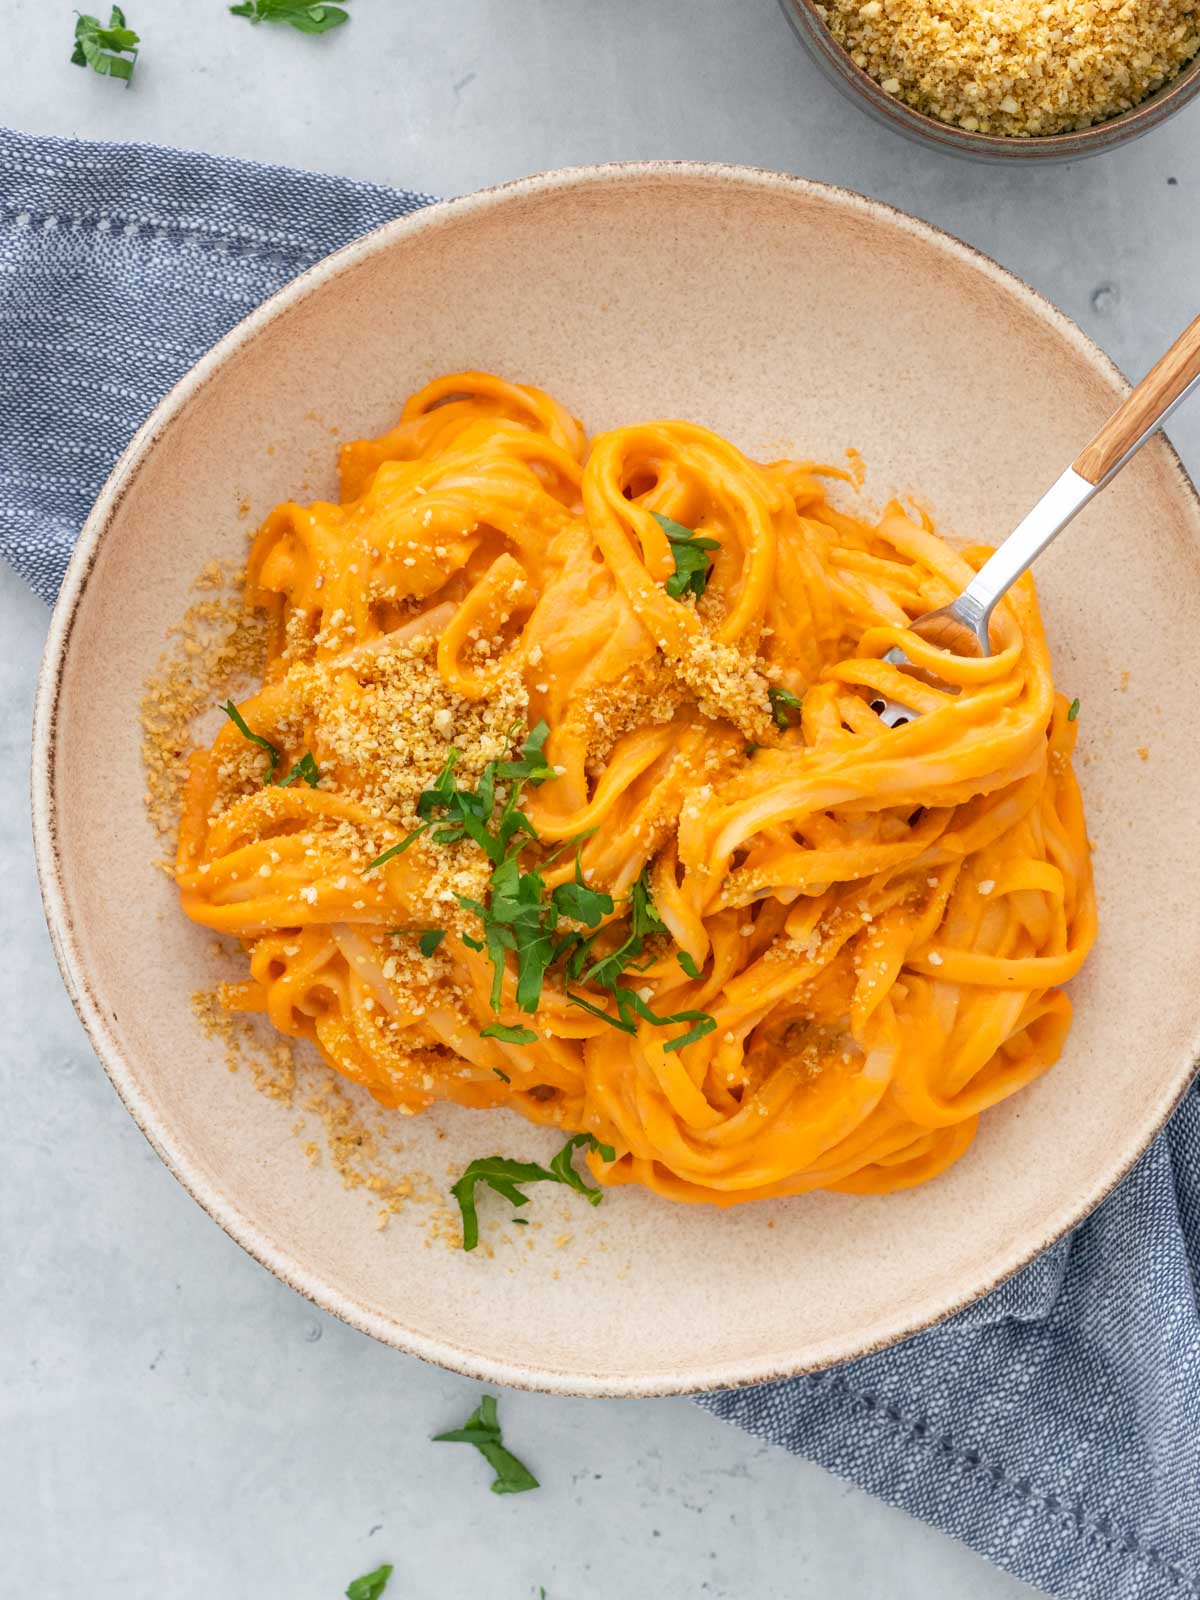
x=692 y=557
x=597 y=823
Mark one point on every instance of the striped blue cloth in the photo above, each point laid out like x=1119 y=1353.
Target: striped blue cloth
x=1055 y=1426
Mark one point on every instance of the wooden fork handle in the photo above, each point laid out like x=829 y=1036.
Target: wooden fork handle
x=1159 y=392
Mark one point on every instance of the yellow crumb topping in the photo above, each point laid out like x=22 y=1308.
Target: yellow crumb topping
x=1019 y=67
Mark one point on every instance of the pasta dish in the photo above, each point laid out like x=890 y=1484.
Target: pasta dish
x=563 y=792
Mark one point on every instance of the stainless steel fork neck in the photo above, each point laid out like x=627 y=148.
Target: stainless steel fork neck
x=969 y=610
x=1062 y=501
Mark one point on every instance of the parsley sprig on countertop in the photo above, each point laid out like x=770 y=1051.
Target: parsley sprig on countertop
x=482 y=1429
x=306 y=16
x=370 y=1586
x=111 y=51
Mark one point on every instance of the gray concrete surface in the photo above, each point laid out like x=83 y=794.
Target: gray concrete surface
x=172 y=1420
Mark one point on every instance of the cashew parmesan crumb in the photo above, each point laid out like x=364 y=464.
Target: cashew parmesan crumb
x=1018 y=67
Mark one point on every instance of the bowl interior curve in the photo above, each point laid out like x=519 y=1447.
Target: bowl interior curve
x=793 y=318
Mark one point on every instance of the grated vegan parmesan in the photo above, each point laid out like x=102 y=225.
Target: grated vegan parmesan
x=1018 y=67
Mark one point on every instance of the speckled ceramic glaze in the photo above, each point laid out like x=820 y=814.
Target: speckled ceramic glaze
x=791 y=317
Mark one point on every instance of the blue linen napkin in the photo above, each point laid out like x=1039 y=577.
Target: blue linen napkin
x=1055 y=1425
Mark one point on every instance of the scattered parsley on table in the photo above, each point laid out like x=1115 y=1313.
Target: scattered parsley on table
x=482 y=1429
x=306 y=16
x=111 y=51
x=370 y=1586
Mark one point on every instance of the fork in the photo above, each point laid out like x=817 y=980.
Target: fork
x=963 y=627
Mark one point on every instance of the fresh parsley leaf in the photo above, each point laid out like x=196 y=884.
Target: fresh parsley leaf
x=501 y=1174
x=517 y=918
x=689 y=551
x=688 y=965
x=564 y=1170
x=783 y=701
x=103 y=49
x=397 y=849
x=532 y=766
x=582 y=904
x=482 y=1429
x=370 y=1586
x=704 y=1024
x=506 y=1078
x=471 y=944
x=469 y=812
x=305 y=768
x=1073 y=710
x=508 y=1034
x=430 y=939
x=306 y=16
x=443 y=788
x=629 y=1000
x=239 y=722
x=644 y=920
x=520 y=1222
x=504 y=1175
x=577 y=901
x=618 y=1022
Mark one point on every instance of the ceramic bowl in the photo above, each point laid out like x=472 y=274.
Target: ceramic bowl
x=793 y=318
x=892 y=112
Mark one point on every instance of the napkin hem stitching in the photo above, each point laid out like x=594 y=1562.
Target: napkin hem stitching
x=1087 y=1526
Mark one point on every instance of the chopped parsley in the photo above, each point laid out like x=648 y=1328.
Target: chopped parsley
x=629 y=1000
x=688 y=965
x=504 y=1175
x=430 y=939
x=690 y=553
x=564 y=1170
x=519 y=917
x=577 y=901
x=502 y=1075
x=307 y=16
x=305 y=768
x=1073 y=710
x=273 y=750
x=644 y=921
x=370 y=1586
x=469 y=813
x=482 y=1429
x=508 y=1034
x=397 y=849
x=783 y=701
x=111 y=51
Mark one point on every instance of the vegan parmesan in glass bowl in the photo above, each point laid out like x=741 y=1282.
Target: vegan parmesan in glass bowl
x=1073 y=74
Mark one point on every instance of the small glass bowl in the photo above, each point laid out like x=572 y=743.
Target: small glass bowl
x=862 y=88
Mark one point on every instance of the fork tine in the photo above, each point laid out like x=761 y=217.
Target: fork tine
x=890 y=712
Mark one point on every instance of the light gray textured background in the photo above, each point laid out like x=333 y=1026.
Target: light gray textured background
x=172 y=1420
